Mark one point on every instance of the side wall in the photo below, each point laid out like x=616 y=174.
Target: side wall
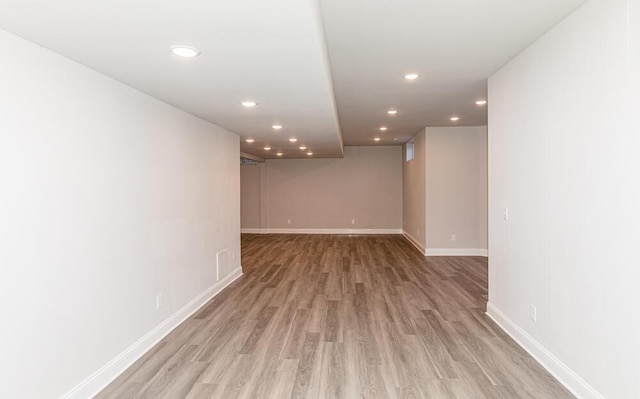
x=250 y=196
x=414 y=192
x=456 y=191
x=563 y=160
x=109 y=199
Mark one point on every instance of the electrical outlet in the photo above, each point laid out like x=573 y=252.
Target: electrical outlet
x=288 y=221
x=453 y=237
x=353 y=221
x=158 y=301
x=505 y=213
x=533 y=314
x=233 y=255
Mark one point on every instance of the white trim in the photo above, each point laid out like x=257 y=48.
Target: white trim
x=97 y=381
x=456 y=252
x=567 y=377
x=415 y=242
x=333 y=231
x=253 y=231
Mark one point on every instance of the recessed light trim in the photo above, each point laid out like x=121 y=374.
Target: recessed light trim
x=276 y=127
x=293 y=139
x=309 y=153
x=184 y=51
x=383 y=128
x=411 y=76
x=481 y=102
x=454 y=118
x=279 y=154
x=376 y=139
x=249 y=104
x=267 y=148
x=392 y=111
x=249 y=140
x=303 y=147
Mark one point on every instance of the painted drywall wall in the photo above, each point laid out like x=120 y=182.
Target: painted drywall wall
x=250 y=196
x=456 y=189
x=563 y=159
x=108 y=198
x=326 y=194
x=414 y=194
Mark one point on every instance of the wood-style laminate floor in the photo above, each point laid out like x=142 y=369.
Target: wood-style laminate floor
x=318 y=316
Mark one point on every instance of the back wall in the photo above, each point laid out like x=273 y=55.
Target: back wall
x=362 y=191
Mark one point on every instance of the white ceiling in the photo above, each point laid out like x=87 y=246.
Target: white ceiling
x=275 y=52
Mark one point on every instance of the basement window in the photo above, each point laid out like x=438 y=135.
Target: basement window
x=410 y=149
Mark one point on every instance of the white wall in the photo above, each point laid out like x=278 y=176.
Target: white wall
x=414 y=194
x=325 y=195
x=108 y=198
x=563 y=158
x=456 y=191
x=445 y=191
x=250 y=196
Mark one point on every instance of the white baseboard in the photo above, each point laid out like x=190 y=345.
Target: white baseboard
x=253 y=231
x=333 y=231
x=567 y=377
x=415 y=242
x=456 y=252
x=97 y=381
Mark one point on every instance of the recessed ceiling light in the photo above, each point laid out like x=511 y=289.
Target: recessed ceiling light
x=279 y=154
x=293 y=139
x=481 y=102
x=249 y=140
x=309 y=153
x=392 y=111
x=376 y=139
x=302 y=147
x=267 y=148
x=249 y=104
x=455 y=118
x=185 y=51
x=411 y=76
x=383 y=128
x=276 y=127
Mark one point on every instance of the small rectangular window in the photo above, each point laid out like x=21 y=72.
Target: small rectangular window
x=410 y=148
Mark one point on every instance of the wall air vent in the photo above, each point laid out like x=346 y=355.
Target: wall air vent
x=221 y=264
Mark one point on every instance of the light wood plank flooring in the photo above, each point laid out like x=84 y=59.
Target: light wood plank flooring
x=319 y=316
